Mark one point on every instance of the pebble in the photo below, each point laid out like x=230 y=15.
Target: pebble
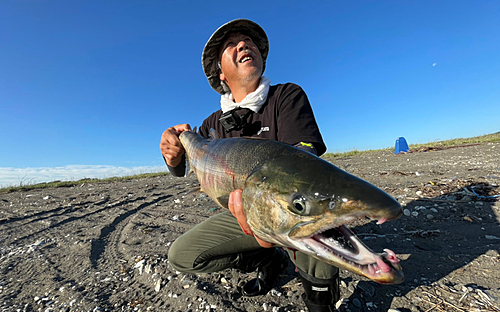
x=407 y=212
x=367 y=289
x=459 y=287
x=38 y=243
x=140 y=265
x=356 y=302
x=430 y=217
x=339 y=303
x=491 y=237
x=158 y=285
x=467 y=218
x=274 y=292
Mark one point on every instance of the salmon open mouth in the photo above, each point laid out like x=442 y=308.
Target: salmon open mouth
x=341 y=243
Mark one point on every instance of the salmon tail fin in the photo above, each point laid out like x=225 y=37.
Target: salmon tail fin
x=188 y=171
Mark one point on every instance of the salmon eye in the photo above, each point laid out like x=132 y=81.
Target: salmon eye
x=299 y=204
x=331 y=205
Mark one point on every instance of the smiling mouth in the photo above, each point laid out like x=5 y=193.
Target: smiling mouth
x=246 y=56
x=246 y=59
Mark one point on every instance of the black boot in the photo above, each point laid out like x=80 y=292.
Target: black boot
x=320 y=294
x=269 y=262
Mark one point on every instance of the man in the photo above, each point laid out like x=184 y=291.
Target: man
x=234 y=60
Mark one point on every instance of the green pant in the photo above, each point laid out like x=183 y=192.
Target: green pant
x=212 y=246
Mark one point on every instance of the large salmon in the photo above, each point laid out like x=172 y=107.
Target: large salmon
x=296 y=199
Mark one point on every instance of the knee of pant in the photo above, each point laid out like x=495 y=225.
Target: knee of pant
x=177 y=260
x=172 y=257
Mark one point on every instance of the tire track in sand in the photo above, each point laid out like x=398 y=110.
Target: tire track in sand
x=110 y=233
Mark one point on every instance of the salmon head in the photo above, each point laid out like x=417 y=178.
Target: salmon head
x=304 y=202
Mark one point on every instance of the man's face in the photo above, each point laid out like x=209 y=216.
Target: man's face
x=240 y=60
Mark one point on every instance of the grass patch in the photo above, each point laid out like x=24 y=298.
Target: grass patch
x=352 y=153
x=494 y=137
x=28 y=187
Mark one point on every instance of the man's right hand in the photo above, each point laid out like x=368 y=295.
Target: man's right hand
x=170 y=145
x=236 y=208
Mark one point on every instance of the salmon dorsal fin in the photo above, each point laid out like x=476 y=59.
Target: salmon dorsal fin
x=212 y=134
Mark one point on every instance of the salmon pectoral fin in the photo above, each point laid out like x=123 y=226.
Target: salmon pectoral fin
x=223 y=201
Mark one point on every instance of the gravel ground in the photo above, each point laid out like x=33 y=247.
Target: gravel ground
x=103 y=246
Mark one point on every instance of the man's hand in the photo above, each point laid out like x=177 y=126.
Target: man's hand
x=236 y=208
x=170 y=145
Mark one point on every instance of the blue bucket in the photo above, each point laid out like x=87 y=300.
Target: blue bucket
x=401 y=146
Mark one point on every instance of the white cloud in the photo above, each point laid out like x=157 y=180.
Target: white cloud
x=434 y=64
x=17 y=176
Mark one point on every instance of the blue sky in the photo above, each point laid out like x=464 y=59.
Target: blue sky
x=93 y=84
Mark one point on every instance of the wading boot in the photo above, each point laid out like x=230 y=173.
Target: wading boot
x=320 y=294
x=269 y=263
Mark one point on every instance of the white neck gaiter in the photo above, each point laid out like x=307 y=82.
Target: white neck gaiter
x=252 y=101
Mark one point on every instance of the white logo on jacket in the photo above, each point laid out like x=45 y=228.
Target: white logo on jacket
x=263 y=129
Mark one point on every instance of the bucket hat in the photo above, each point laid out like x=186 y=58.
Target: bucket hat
x=210 y=52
